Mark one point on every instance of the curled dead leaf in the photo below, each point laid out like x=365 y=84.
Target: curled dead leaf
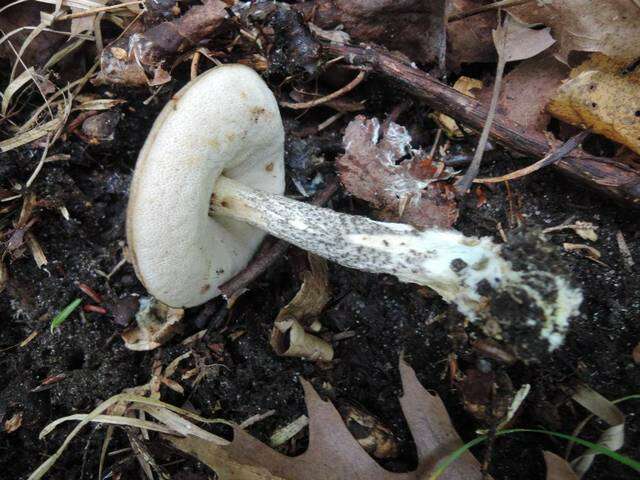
x=611 y=438
x=286 y=433
x=408 y=191
x=486 y=395
x=312 y=296
x=589 y=251
x=288 y=337
x=585 y=230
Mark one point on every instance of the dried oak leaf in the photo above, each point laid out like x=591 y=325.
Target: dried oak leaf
x=600 y=97
x=130 y=60
x=407 y=191
x=611 y=27
x=414 y=27
x=333 y=453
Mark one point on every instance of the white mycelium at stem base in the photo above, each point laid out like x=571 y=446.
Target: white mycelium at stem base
x=207 y=187
x=469 y=272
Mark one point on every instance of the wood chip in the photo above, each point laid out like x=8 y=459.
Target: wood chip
x=13 y=423
x=624 y=250
x=286 y=433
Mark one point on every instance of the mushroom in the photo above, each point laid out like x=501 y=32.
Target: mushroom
x=208 y=186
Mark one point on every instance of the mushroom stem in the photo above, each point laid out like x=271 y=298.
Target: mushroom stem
x=471 y=272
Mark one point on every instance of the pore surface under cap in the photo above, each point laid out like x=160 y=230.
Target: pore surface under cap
x=224 y=122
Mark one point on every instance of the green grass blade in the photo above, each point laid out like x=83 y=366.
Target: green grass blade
x=64 y=314
x=594 y=446
x=629 y=397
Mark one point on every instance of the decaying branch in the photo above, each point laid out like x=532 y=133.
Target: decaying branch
x=614 y=179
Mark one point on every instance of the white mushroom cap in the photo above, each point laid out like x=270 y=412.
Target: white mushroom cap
x=224 y=122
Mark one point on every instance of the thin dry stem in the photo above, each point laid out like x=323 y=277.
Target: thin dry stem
x=486 y=8
x=332 y=96
x=94 y=11
x=549 y=159
x=472 y=172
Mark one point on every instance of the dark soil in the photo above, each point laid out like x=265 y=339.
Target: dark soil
x=388 y=318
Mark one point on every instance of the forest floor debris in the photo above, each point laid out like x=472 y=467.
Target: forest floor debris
x=360 y=84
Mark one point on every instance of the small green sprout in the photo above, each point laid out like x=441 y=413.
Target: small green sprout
x=64 y=314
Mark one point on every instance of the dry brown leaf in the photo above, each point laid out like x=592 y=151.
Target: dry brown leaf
x=407 y=191
x=601 y=97
x=612 y=438
x=288 y=336
x=333 y=453
x=139 y=59
x=558 y=468
x=486 y=395
x=611 y=27
x=527 y=89
x=312 y=296
x=469 y=39
x=515 y=40
x=413 y=27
